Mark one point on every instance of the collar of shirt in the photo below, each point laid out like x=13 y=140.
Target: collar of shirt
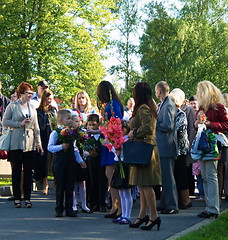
x=96 y=136
x=159 y=108
x=35 y=96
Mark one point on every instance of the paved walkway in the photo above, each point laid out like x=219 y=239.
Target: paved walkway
x=39 y=223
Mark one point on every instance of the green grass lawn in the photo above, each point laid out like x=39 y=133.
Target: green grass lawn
x=5 y=182
x=216 y=230
x=8 y=181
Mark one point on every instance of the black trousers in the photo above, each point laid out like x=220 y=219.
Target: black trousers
x=64 y=169
x=22 y=161
x=180 y=173
x=97 y=181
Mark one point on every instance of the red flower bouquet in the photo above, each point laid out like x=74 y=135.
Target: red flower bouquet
x=66 y=134
x=114 y=134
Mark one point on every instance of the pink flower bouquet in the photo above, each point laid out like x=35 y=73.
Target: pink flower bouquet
x=114 y=135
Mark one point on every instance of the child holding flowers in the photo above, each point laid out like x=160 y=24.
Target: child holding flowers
x=97 y=179
x=61 y=144
x=81 y=171
x=122 y=184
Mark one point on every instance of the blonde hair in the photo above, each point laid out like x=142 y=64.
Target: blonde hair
x=177 y=96
x=208 y=95
x=88 y=106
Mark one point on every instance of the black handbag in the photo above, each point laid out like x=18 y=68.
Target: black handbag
x=137 y=153
x=118 y=182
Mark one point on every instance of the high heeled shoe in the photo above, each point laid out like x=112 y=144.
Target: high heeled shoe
x=157 y=222
x=111 y=215
x=136 y=224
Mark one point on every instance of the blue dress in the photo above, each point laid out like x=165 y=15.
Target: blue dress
x=107 y=158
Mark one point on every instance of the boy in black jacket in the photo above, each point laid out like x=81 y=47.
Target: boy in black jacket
x=64 y=166
x=97 y=178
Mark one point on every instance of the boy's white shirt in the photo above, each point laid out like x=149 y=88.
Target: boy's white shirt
x=53 y=148
x=96 y=136
x=77 y=153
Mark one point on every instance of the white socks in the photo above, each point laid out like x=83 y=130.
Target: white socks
x=81 y=187
x=126 y=202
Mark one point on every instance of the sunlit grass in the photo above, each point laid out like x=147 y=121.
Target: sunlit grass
x=5 y=182
x=216 y=230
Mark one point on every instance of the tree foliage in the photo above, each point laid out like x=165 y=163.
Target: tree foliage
x=124 y=47
x=59 y=40
x=187 y=48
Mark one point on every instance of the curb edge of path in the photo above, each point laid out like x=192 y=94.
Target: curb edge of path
x=193 y=227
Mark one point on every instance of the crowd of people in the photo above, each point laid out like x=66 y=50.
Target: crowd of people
x=92 y=175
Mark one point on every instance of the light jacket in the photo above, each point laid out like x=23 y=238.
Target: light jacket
x=23 y=137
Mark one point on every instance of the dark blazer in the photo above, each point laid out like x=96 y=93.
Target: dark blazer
x=166 y=132
x=4 y=102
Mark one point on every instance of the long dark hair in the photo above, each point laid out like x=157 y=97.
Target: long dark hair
x=46 y=93
x=142 y=94
x=106 y=93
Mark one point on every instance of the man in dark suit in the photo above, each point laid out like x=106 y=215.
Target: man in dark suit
x=166 y=135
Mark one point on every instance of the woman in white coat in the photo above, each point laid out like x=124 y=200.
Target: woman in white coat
x=21 y=118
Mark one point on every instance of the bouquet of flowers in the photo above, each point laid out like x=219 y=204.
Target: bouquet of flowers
x=114 y=134
x=81 y=137
x=66 y=134
x=89 y=144
x=202 y=117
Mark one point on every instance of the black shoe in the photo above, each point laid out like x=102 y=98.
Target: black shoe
x=58 y=214
x=28 y=204
x=110 y=215
x=71 y=214
x=169 y=211
x=207 y=215
x=140 y=222
x=157 y=222
x=87 y=211
x=185 y=206
x=17 y=204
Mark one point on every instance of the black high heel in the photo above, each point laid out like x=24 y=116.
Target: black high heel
x=111 y=215
x=140 y=222
x=157 y=222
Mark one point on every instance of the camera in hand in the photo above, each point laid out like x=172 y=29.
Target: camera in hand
x=27 y=115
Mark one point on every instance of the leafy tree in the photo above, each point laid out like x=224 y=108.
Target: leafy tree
x=125 y=48
x=188 y=48
x=59 y=40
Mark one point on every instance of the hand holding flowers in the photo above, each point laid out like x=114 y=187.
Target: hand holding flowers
x=202 y=119
x=114 y=139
